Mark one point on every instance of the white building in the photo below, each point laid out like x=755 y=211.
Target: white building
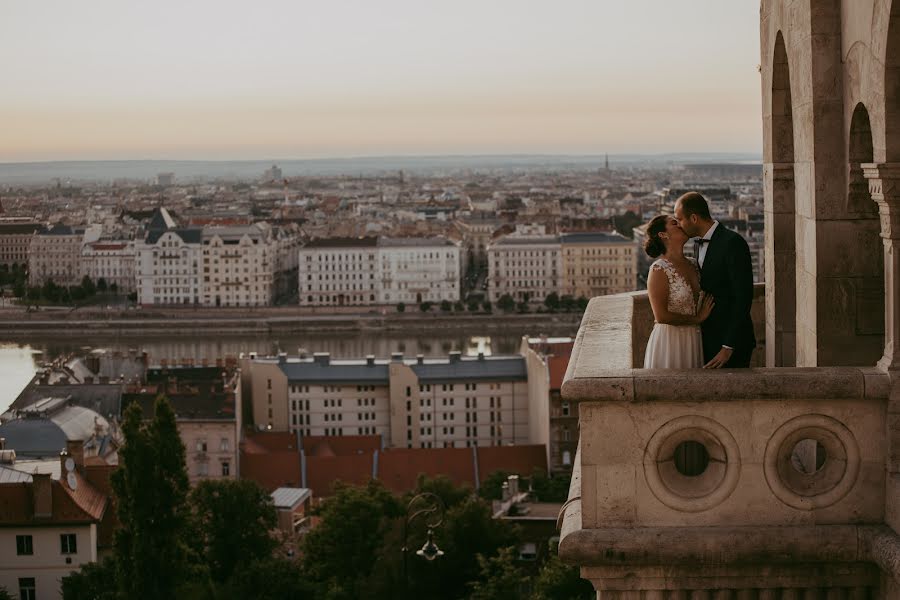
x=168 y=267
x=526 y=264
x=112 y=261
x=55 y=254
x=411 y=403
x=416 y=270
x=376 y=271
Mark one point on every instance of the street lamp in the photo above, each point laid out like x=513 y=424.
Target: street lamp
x=430 y=507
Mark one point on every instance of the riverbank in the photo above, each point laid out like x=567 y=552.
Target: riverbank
x=18 y=324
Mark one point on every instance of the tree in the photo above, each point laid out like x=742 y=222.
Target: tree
x=151 y=487
x=492 y=487
x=101 y=285
x=94 y=581
x=426 y=306
x=132 y=297
x=458 y=306
x=88 y=286
x=487 y=306
x=550 y=489
x=567 y=303
x=500 y=577
x=582 y=303
x=506 y=303
x=559 y=580
x=446 y=306
x=522 y=307
x=4 y=594
x=341 y=551
x=114 y=288
x=269 y=579
x=552 y=301
x=473 y=305
x=401 y=307
x=233 y=518
x=19 y=289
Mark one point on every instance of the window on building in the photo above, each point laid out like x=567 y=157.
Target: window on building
x=566 y=458
x=201 y=444
x=27 y=589
x=565 y=409
x=68 y=543
x=24 y=545
x=223 y=444
x=226 y=469
x=203 y=470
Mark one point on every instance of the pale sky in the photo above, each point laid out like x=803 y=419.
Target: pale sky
x=215 y=79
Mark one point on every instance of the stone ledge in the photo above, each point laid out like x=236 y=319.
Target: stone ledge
x=711 y=545
x=695 y=385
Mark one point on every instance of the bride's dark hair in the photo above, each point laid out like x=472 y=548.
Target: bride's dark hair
x=653 y=245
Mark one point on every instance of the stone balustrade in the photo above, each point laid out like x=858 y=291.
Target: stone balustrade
x=738 y=483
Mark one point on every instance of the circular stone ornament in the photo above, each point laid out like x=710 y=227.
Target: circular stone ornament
x=695 y=492
x=828 y=484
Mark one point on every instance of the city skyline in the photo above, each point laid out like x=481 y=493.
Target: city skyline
x=213 y=81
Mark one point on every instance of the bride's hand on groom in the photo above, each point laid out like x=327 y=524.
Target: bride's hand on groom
x=706 y=307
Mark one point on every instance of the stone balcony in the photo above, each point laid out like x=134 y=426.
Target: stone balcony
x=747 y=483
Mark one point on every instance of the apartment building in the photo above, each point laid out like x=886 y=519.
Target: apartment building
x=167 y=266
x=55 y=255
x=411 y=403
x=15 y=240
x=110 y=260
x=238 y=266
x=525 y=264
x=370 y=271
x=339 y=272
x=416 y=270
x=597 y=264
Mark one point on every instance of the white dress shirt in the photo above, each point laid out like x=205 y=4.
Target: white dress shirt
x=707 y=236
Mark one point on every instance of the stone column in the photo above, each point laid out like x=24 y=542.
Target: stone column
x=884 y=186
x=781 y=265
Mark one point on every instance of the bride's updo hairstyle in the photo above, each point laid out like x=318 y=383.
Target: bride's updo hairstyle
x=653 y=245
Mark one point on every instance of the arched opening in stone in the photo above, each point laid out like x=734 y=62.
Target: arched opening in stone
x=781 y=255
x=865 y=260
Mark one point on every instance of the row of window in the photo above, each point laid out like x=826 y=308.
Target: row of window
x=68 y=544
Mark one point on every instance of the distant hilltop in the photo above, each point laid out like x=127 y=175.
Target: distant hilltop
x=101 y=171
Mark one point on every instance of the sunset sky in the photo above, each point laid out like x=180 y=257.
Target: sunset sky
x=203 y=79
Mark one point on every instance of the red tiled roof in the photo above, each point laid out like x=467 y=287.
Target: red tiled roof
x=323 y=471
x=512 y=459
x=558 y=366
x=272 y=470
x=84 y=505
x=270 y=441
x=399 y=468
x=340 y=445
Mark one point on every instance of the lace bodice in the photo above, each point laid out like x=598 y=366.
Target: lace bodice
x=681 y=294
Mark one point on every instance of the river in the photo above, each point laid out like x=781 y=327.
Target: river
x=19 y=358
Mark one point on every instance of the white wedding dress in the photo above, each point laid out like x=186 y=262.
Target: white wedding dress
x=675 y=346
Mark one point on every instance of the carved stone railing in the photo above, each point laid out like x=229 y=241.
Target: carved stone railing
x=729 y=483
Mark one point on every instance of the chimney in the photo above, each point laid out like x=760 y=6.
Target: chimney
x=481 y=356
x=322 y=358
x=75 y=449
x=420 y=359
x=42 y=494
x=455 y=356
x=396 y=357
x=370 y=360
x=504 y=492
x=513 y=484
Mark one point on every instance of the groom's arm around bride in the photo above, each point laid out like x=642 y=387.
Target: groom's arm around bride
x=726 y=272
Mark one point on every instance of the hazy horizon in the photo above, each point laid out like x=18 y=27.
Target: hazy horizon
x=283 y=80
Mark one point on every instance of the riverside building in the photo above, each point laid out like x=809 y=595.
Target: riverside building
x=421 y=402
x=54 y=255
x=525 y=264
x=597 y=264
x=370 y=271
x=15 y=240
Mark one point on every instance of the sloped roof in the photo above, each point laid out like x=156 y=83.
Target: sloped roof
x=414 y=242
x=289 y=497
x=272 y=470
x=188 y=236
x=341 y=242
x=357 y=372
x=340 y=445
x=399 y=468
x=322 y=472
x=557 y=366
x=85 y=504
x=161 y=220
x=512 y=459
x=493 y=368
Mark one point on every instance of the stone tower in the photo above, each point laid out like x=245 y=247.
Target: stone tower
x=781 y=481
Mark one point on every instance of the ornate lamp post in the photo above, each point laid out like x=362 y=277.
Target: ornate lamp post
x=431 y=508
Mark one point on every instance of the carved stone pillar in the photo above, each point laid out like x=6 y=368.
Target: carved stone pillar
x=884 y=186
x=781 y=265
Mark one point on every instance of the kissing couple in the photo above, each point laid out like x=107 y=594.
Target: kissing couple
x=701 y=306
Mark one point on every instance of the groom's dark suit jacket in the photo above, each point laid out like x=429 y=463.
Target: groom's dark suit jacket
x=727 y=274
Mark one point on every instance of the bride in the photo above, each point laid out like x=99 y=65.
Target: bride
x=679 y=306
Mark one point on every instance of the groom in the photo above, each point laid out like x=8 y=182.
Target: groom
x=726 y=272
